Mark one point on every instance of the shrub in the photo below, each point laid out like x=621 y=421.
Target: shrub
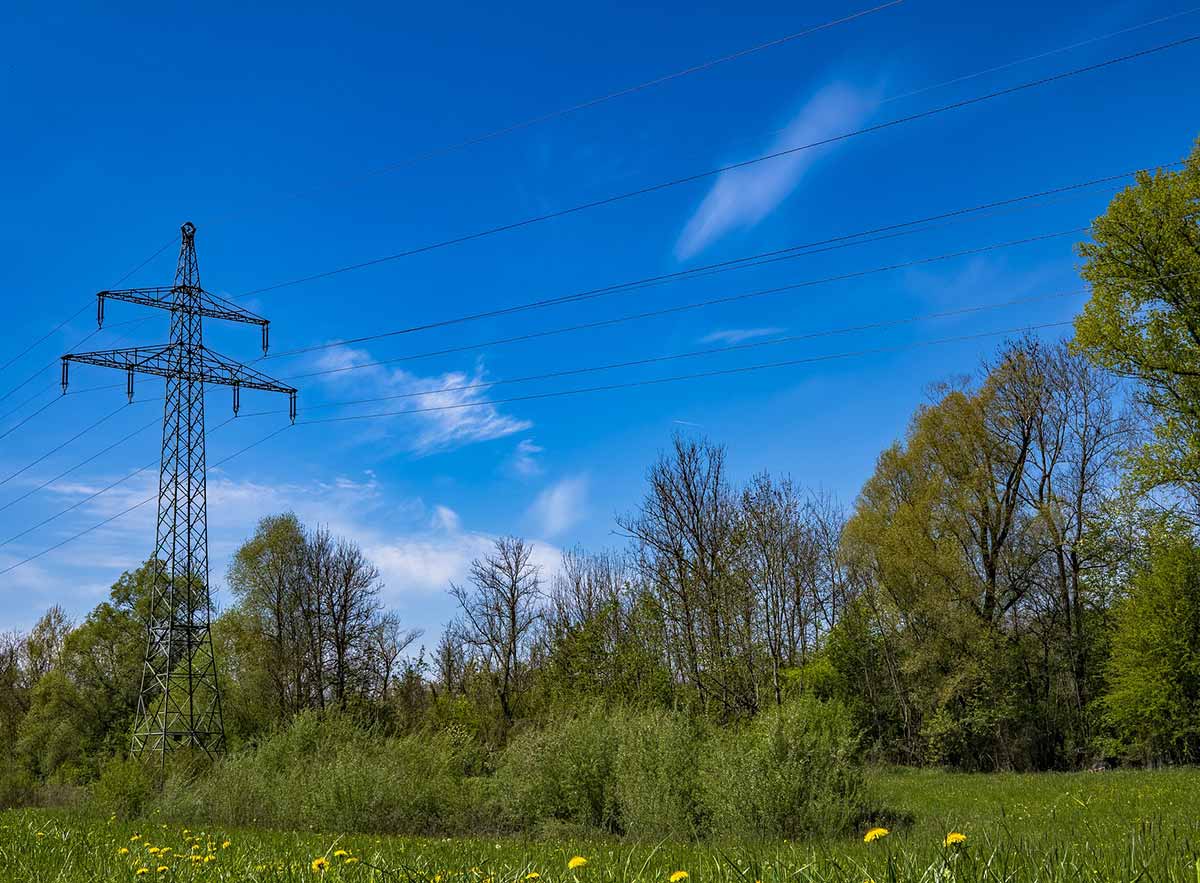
x=791 y=772
x=124 y=788
x=326 y=772
x=16 y=785
x=657 y=782
x=561 y=772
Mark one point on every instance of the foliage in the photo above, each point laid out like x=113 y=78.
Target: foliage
x=1143 y=318
x=1153 y=703
x=124 y=788
x=791 y=772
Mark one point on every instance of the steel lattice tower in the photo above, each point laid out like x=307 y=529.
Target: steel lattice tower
x=179 y=704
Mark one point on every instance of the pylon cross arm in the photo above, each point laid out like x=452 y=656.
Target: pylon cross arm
x=172 y=360
x=200 y=302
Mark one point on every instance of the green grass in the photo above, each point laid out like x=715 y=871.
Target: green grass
x=1116 y=826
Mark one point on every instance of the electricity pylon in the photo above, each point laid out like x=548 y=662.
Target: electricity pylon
x=179 y=704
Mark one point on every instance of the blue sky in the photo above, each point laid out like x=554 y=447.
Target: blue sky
x=267 y=127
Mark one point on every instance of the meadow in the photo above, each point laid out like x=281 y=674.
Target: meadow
x=1110 y=826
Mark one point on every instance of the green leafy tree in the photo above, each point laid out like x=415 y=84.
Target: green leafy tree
x=1143 y=318
x=1153 y=700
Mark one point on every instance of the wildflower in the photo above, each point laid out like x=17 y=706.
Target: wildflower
x=154 y=850
x=209 y=858
x=532 y=875
x=225 y=845
x=576 y=862
x=875 y=834
x=340 y=853
x=351 y=860
x=162 y=869
x=140 y=871
x=678 y=876
x=41 y=833
x=135 y=838
x=124 y=850
x=319 y=864
x=954 y=838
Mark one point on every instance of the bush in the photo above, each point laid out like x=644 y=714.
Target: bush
x=793 y=771
x=124 y=788
x=328 y=773
x=657 y=782
x=561 y=772
x=16 y=785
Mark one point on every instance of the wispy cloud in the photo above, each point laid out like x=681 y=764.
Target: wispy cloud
x=561 y=506
x=445 y=415
x=524 y=459
x=742 y=197
x=738 y=335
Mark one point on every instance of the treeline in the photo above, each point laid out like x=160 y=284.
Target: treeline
x=1017 y=586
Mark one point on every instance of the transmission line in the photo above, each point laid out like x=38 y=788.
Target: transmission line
x=532 y=397
x=619 y=93
x=71 y=317
x=55 y=450
x=695 y=305
x=698 y=176
x=135 y=506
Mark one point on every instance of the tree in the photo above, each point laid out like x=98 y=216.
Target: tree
x=1143 y=318
x=499 y=611
x=1153 y=698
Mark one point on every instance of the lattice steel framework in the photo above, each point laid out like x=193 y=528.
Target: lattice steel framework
x=179 y=704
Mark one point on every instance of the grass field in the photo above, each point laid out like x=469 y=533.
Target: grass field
x=1126 y=826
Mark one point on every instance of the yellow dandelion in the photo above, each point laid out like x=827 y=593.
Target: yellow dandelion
x=954 y=838
x=225 y=845
x=532 y=875
x=319 y=864
x=162 y=869
x=135 y=838
x=209 y=858
x=351 y=860
x=154 y=850
x=875 y=834
x=124 y=850
x=140 y=871
x=41 y=833
x=678 y=876
x=340 y=853
x=576 y=862
x=196 y=859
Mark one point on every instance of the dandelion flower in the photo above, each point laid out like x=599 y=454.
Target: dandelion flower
x=140 y=871
x=875 y=834
x=225 y=845
x=954 y=838
x=339 y=853
x=576 y=862
x=124 y=850
x=319 y=864
x=135 y=838
x=41 y=833
x=678 y=877
x=351 y=860
x=532 y=875
x=162 y=869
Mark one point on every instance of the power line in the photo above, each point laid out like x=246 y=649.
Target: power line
x=29 y=493
x=55 y=450
x=682 y=377
x=620 y=93
x=653 y=188
x=532 y=397
x=71 y=317
x=695 y=305
x=797 y=250
x=125 y=512
x=94 y=495
x=711 y=351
